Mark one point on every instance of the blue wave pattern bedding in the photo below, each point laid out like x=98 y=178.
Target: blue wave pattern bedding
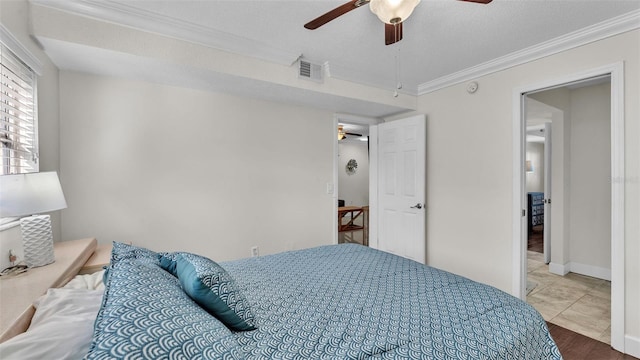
x=352 y=302
x=145 y=314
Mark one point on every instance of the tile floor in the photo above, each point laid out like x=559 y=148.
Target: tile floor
x=577 y=302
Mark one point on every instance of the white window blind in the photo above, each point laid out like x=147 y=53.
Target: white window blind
x=18 y=123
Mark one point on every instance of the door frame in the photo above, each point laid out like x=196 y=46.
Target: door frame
x=548 y=194
x=616 y=71
x=332 y=188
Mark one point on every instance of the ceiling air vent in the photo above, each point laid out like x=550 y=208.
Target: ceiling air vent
x=310 y=71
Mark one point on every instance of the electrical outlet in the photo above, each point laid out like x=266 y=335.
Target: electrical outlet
x=254 y=251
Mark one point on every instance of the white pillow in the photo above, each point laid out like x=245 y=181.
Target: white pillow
x=87 y=282
x=62 y=327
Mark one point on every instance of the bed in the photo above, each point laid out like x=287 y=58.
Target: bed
x=342 y=301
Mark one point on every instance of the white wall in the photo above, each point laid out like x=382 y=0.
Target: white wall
x=591 y=177
x=353 y=188
x=469 y=179
x=171 y=168
x=535 y=179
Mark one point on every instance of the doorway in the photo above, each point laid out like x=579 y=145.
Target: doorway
x=567 y=254
x=570 y=283
x=351 y=174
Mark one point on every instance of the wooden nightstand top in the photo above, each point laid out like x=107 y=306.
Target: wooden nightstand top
x=18 y=293
x=100 y=258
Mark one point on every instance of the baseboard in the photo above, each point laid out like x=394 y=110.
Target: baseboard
x=632 y=346
x=589 y=270
x=559 y=269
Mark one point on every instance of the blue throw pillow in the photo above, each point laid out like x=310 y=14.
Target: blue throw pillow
x=168 y=262
x=209 y=285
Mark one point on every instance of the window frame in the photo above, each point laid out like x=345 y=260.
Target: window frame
x=32 y=65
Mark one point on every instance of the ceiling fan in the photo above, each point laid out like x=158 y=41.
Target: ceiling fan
x=342 y=134
x=391 y=12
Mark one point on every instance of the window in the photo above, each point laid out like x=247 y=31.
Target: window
x=18 y=115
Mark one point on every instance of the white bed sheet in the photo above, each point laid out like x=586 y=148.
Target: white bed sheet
x=87 y=282
x=62 y=326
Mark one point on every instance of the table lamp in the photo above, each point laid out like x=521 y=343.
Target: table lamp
x=32 y=194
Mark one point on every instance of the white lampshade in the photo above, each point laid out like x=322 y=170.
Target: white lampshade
x=28 y=194
x=393 y=11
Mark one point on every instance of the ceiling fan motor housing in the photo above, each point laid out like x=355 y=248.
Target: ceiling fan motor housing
x=393 y=12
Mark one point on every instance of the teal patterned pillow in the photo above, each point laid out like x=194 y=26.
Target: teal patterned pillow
x=209 y=285
x=121 y=251
x=145 y=314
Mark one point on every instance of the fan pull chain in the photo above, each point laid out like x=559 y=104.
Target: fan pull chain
x=398 y=82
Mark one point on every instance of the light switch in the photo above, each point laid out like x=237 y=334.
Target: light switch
x=330 y=188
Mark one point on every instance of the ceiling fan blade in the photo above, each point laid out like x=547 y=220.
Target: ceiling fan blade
x=392 y=33
x=352 y=134
x=478 y=1
x=339 y=11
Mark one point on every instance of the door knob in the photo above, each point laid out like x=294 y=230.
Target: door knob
x=417 y=206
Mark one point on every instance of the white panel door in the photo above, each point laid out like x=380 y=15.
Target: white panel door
x=400 y=213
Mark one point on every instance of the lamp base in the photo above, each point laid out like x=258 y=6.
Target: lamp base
x=37 y=240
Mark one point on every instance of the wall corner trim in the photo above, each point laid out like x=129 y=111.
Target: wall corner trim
x=559 y=269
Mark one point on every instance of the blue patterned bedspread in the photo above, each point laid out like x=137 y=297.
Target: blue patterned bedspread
x=352 y=302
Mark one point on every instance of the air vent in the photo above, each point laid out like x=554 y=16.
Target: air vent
x=310 y=71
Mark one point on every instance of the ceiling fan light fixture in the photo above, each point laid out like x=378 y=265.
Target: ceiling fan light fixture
x=341 y=133
x=393 y=11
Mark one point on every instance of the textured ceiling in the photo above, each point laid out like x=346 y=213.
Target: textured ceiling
x=442 y=37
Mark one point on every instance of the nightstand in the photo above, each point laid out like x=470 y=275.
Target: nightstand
x=100 y=258
x=18 y=293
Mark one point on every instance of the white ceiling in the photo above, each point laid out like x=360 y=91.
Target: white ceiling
x=442 y=37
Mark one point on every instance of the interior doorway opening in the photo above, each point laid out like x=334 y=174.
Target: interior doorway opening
x=352 y=176
x=568 y=257
x=568 y=242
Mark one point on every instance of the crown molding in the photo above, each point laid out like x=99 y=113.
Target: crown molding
x=602 y=30
x=170 y=27
x=22 y=52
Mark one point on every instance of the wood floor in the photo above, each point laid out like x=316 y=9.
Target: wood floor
x=534 y=242
x=574 y=346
